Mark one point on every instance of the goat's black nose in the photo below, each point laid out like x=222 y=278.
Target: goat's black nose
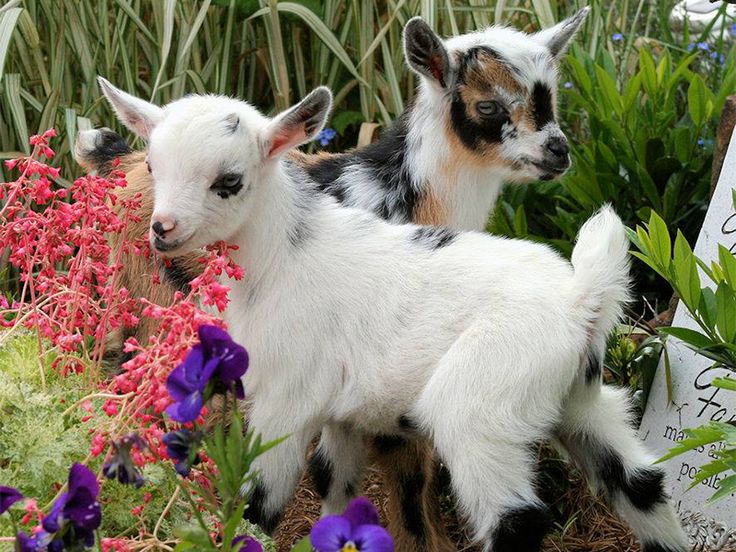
x=158 y=229
x=558 y=146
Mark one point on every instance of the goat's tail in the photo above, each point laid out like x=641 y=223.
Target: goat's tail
x=601 y=263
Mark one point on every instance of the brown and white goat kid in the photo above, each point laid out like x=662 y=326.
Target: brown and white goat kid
x=355 y=326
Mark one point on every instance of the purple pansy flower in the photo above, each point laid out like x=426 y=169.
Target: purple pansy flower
x=357 y=529
x=78 y=506
x=244 y=543
x=120 y=466
x=325 y=136
x=179 y=447
x=8 y=497
x=617 y=37
x=215 y=358
x=38 y=542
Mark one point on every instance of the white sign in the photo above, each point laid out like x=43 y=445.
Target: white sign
x=694 y=400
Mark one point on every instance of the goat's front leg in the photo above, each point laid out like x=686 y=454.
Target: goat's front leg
x=337 y=466
x=279 y=468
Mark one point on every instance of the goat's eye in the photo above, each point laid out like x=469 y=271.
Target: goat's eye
x=227 y=183
x=488 y=109
x=148 y=166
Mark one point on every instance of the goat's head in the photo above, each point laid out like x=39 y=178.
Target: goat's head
x=498 y=87
x=208 y=155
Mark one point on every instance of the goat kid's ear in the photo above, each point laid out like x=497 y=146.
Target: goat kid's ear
x=138 y=115
x=299 y=124
x=558 y=38
x=426 y=53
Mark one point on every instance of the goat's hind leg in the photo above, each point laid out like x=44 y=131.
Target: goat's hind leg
x=487 y=442
x=596 y=431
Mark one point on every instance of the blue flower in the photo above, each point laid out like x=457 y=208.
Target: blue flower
x=121 y=466
x=703 y=46
x=721 y=58
x=732 y=29
x=617 y=37
x=216 y=358
x=690 y=47
x=325 y=136
x=356 y=530
x=40 y=541
x=568 y=85
x=244 y=543
x=179 y=447
x=8 y=497
x=77 y=508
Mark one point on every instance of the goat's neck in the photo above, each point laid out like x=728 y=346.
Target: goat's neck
x=467 y=191
x=263 y=239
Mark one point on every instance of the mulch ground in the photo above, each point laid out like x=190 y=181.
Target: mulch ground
x=585 y=523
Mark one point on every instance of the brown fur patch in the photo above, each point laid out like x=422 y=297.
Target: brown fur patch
x=461 y=157
x=413 y=460
x=430 y=210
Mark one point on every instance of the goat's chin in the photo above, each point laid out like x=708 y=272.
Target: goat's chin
x=177 y=249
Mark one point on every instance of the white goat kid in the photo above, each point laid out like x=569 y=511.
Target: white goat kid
x=358 y=327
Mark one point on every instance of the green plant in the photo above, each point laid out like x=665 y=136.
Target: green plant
x=713 y=308
x=264 y=51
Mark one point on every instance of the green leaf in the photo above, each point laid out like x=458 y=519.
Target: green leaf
x=697 y=101
x=703 y=435
x=691 y=337
x=302 y=546
x=728 y=265
x=648 y=72
x=660 y=236
x=194 y=534
x=686 y=278
x=608 y=87
x=726 y=312
x=8 y=19
x=724 y=383
x=726 y=487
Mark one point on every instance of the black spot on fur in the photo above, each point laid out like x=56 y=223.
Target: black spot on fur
x=411 y=505
x=433 y=237
x=326 y=173
x=176 y=274
x=320 y=470
x=388 y=443
x=255 y=512
x=350 y=489
x=542 y=105
x=385 y=161
x=657 y=547
x=407 y=424
x=593 y=368
x=227 y=185
x=471 y=133
x=643 y=486
x=109 y=145
x=470 y=61
x=521 y=529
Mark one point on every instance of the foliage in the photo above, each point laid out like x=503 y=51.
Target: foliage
x=712 y=305
x=264 y=51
